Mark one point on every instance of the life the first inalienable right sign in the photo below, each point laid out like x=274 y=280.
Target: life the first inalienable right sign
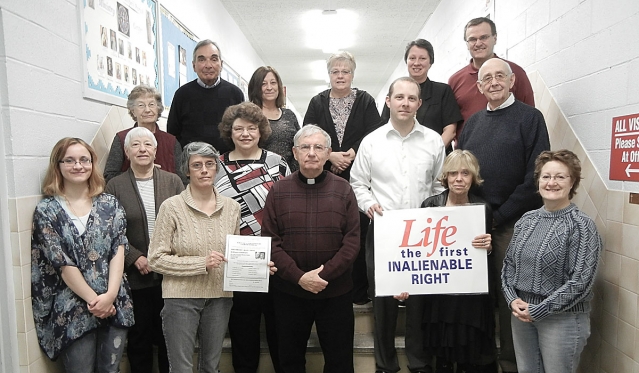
x=624 y=148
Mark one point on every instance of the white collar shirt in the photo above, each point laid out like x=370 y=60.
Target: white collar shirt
x=509 y=101
x=203 y=85
x=397 y=172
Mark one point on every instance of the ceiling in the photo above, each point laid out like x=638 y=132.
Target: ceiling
x=274 y=29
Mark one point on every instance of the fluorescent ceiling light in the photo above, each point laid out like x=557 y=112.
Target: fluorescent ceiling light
x=319 y=71
x=330 y=30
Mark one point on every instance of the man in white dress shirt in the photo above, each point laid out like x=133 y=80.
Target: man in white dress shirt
x=397 y=168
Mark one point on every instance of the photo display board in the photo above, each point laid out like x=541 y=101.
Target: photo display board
x=178 y=43
x=119 y=39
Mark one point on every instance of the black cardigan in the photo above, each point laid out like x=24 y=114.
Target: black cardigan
x=363 y=119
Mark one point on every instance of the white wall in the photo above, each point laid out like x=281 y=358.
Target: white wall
x=585 y=50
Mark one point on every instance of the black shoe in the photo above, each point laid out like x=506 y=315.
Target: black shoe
x=444 y=366
x=361 y=302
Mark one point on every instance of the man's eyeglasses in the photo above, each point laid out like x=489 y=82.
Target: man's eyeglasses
x=498 y=77
x=305 y=148
x=482 y=38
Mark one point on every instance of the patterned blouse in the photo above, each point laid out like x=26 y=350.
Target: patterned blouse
x=281 y=140
x=340 y=109
x=60 y=315
x=248 y=182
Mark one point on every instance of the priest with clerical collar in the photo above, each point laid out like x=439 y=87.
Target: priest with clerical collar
x=313 y=221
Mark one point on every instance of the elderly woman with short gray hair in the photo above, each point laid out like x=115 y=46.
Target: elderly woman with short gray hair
x=145 y=107
x=188 y=248
x=141 y=190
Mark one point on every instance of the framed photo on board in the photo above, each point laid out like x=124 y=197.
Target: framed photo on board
x=119 y=47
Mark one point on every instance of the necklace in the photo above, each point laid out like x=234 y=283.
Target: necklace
x=143 y=184
x=92 y=255
x=247 y=163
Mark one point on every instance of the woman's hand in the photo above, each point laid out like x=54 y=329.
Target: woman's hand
x=102 y=306
x=142 y=264
x=483 y=241
x=272 y=268
x=520 y=310
x=214 y=260
x=341 y=160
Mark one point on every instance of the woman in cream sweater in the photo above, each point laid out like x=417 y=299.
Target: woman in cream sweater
x=188 y=248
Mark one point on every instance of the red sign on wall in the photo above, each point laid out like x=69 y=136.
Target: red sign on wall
x=624 y=148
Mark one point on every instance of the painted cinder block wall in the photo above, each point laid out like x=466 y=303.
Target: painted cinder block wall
x=583 y=54
x=585 y=51
x=40 y=102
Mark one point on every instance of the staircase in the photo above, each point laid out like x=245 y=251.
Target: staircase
x=363 y=347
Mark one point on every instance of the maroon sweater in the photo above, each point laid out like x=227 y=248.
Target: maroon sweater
x=311 y=225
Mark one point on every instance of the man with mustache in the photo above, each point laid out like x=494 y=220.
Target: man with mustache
x=480 y=35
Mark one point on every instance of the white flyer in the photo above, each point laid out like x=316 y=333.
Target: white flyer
x=247 y=267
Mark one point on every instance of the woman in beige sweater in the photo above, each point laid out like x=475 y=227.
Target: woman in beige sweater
x=188 y=247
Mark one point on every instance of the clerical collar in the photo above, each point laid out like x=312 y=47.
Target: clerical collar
x=316 y=180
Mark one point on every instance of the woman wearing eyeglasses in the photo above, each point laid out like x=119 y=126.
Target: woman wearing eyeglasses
x=145 y=106
x=82 y=304
x=347 y=114
x=247 y=174
x=550 y=269
x=188 y=248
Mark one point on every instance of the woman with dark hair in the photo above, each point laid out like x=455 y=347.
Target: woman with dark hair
x=550 y=269
x=267 y=92
x=81 y=302
x=246 y=175
x=141 y=190
x=439 y=110
x=460 y=328
x=145 y=107
x=347 y=114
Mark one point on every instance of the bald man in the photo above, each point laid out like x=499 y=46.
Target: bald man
x=506 y=137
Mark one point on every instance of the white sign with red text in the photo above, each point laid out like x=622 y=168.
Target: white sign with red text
x=429 y=251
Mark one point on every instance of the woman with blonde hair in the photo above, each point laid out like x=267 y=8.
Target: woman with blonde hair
x=82 y=305
x=460 y=328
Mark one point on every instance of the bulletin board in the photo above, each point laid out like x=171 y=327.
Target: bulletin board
x=119 y=45
x=178 y=43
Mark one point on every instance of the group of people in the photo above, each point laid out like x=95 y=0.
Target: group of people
x=141 y=256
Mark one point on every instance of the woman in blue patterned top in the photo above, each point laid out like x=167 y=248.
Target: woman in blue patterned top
x=549 y=271
x=81 y=303
x=247 y=173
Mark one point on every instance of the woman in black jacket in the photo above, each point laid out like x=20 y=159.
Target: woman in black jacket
x=347 y=114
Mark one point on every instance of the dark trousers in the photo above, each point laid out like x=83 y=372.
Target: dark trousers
x=147 y=331
x=385 y=311
x=360 y=276
x=244 y=328
x=334 y=322
x=501 y=237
